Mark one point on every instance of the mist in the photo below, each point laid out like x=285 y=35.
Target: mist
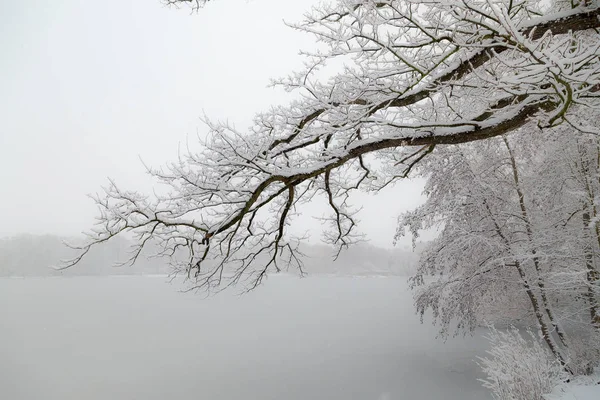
x=136 y=337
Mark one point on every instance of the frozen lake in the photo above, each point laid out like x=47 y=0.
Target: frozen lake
x=138 y=338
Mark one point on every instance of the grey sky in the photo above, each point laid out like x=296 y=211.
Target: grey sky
x=89 y=88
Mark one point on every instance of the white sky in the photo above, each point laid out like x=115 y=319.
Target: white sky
x=87 y=88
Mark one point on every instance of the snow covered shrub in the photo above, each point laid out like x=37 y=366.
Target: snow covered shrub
x=584 y=350
x=519 y=368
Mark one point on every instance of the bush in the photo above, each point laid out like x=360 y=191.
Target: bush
x=518 y=368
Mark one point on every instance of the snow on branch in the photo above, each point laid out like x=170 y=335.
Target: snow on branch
x=416 y=73
x=195 y=5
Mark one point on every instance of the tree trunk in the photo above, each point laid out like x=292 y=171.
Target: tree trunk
x=546 y=334
x=591 y=275
x=543 y=326
x=536 y=260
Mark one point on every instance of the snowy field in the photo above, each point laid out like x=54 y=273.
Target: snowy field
x=138 y=338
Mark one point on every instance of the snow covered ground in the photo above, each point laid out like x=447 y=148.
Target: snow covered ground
x=313 y=338
x=582 y=388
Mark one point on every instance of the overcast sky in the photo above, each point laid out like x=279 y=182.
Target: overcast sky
x=88 y=88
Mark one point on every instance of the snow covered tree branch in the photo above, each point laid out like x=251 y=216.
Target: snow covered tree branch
x=518 y=239
x=195 y=5
x=408 y=74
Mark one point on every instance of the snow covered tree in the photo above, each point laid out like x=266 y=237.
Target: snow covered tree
x=416 y=74
x=516 y=241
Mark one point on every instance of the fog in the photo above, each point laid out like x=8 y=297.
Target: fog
x=312 y=338
x=33 y=255
x=89 y=89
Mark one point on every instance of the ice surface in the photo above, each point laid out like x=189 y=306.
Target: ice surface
x=314 y=338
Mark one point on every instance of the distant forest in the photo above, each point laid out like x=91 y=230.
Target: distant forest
x=35 y=255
